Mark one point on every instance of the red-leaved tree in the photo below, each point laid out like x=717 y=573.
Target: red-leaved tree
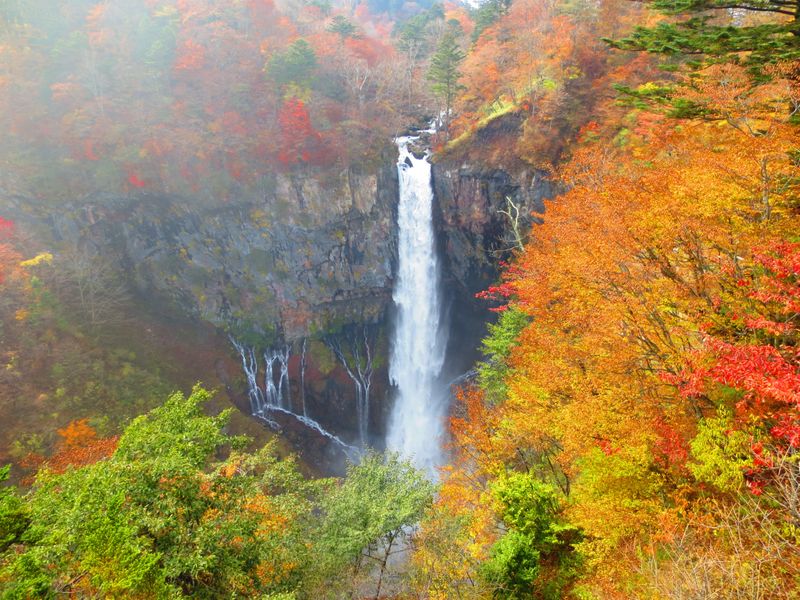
x=300 y=142
x=756 y=350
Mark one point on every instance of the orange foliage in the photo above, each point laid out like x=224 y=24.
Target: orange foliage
x=619 y=282
x=80 y=446
x=191 y=56
x=534 y=66
x=459 y=13
x=368 y=49
x=111 y=108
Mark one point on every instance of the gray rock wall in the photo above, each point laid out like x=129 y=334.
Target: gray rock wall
x=312 y=256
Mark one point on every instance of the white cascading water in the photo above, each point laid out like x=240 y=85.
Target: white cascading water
x=275 y=398
x=416 y=426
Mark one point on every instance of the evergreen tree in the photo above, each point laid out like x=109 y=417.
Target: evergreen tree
x=343 y=27
x=443 y=72
x=295 y=65
x=711 y=33
x=487 y=14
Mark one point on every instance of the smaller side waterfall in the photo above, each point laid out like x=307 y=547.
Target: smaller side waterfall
x=275 y=395
x=303 y=365
x=357 y=361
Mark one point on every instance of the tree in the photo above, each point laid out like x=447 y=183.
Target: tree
x=366 y=519
x=160 y=517
x=343 y=27
x=487 y=14
x=13 y=516
x=90 y=286
x=501 y=338
x=752 y=348
x=163 y=516
x=294 y=65
x=536 y=556
x=300 y=142
x=712 y=32
x=443 y=72
x=635 y=265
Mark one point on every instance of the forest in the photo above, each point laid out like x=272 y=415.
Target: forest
x=235 y=362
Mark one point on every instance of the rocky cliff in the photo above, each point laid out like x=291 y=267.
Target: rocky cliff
x=305 y=265
x=475 y=236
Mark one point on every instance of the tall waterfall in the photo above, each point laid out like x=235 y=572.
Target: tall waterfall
x=416 y=426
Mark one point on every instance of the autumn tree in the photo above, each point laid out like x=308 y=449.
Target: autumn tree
x=80 y=445
x=300 y=142
x=750 y=347
x=609 y=299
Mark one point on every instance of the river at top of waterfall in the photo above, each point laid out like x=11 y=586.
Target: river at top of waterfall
x=416 y=426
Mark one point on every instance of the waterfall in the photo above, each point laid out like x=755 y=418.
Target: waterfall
x=303 y=377
x=359 y=369
x=416 y=425
x=274 y=396
x=278 y=395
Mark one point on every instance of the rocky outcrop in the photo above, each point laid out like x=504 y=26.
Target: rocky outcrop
x=475 y=234
x=314 y=249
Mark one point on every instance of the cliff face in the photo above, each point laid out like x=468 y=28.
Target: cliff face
x=475 y=236
x=313 y=251
x=310 y=259
x=308 y=264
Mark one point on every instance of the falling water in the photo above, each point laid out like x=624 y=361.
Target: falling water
x=416 y=425
x=274 y=396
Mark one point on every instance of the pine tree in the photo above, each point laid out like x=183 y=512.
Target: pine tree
x=708 y=39
x=443 y=72
x=487 y=15
x=295 y=65
x=343 y=27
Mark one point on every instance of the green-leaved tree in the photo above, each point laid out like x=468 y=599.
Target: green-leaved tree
x=164 y=517
x=367 y=518
x=296 y=64
x=711 y=31
x=161 y=518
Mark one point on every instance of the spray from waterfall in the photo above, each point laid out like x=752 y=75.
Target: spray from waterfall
x=416 y=426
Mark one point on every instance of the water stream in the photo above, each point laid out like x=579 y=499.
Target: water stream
x=416 y=426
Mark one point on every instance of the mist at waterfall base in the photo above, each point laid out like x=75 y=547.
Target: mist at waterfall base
x=416 y=425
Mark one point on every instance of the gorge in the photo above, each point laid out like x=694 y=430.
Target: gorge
x=283 y=316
